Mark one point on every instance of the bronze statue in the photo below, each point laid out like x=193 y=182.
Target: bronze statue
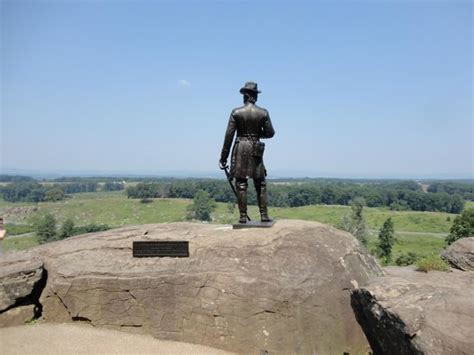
x=251 y=123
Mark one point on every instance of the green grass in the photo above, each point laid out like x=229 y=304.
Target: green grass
x=410 y=221
x=19 y=243
x=430 y=263
x=114 y=209
x=422 y=245
x=15 y=229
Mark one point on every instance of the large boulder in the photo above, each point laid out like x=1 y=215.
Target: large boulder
x=20 y=273
x=460 y=254
x=283 y=290
x=411 y=312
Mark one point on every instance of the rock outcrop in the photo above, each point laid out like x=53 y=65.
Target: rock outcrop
x=282 y=290
x=19 y=274
x=411 y=312
x=460 y=254
x=21 y=283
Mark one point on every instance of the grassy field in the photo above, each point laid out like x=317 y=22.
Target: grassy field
x=20 y=243
x=422 y=232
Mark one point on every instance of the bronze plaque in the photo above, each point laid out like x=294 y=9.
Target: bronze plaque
x=161 y=248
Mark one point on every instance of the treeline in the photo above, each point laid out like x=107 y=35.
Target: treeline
x=15 y=178
x=36 y=192
x=401 y=195
x=31 y=192
x=464 y=189
x=444 y=196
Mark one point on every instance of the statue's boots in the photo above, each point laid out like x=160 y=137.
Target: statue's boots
x=261 y=189
x=242 y=200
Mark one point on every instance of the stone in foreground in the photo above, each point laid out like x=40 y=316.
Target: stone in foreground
x=460 y=254
x=284 y=289
x=18 y=315
x=20 y=273
x=411 y=312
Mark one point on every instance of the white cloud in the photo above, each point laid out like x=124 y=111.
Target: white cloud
x=184 y=83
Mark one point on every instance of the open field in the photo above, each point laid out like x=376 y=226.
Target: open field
x=469 y=204
x=422 y=232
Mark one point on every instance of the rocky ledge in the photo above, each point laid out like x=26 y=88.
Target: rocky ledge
x=282 y=290
x=21 y=282
x=412 y=312
x=460 y=254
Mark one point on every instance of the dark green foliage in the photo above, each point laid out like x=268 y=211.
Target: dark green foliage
x=463 y=188
x=46 y=228
x=90 y=228
x=355 y=222
x=113 y=186
x=54 y=194
x=202 y=206
x=77 y=187
x=36 y=195
x=30 y=192
x=400 y=195
x=16 y=178
x=397 y=195
x=407 y=259
x=144 y=191
x=463 y=226
x=386 y=241
x=22 y=191
x=67 y=229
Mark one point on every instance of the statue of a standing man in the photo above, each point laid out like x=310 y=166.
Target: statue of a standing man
x=251 y=123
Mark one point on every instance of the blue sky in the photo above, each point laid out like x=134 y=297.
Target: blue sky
x=354 y=88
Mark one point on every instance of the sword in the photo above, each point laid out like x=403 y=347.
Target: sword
x=229 y=179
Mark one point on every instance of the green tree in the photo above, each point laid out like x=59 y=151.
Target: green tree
x=67 y=229
x=46 y=228
x=54 y=194
x=463 y=226
x=202 y=206
x=386 y=241
x=355 y=222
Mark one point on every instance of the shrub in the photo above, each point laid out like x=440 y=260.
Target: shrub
x=406 y=259
x=202 y=206
x=431 y=262
x=355 y=222
x=386 y=241
x=90 y=228
x=463 y=226
x=67 y=229
x=46 y=228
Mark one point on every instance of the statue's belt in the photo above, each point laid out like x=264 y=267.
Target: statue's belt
x=248 y=137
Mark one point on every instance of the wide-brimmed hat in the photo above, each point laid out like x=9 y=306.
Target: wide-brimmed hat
x=250 y=86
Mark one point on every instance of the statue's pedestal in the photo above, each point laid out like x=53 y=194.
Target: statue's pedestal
x=253 y=224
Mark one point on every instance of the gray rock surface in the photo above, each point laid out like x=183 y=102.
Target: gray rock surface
x=411 y=312
x=460 y=254
x=17 y=316
x=284 y=289
x=19 y=274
